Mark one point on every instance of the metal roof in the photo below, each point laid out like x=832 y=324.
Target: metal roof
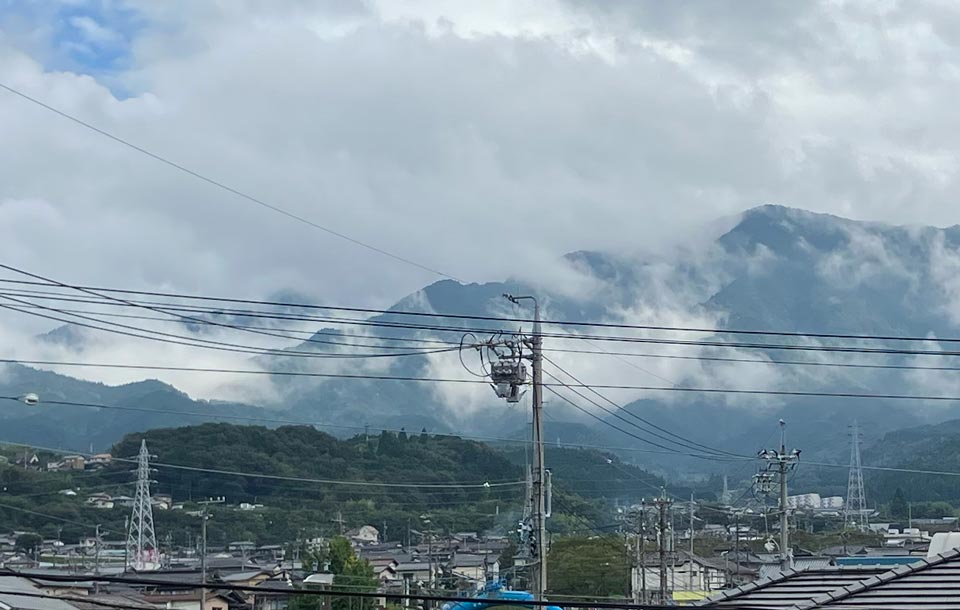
x=9 y=599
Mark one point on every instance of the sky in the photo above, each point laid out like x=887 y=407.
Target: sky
x=483 y=140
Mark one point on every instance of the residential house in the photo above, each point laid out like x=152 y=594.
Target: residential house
x=475 y=569
x=692 y=574
x=98 y=461
x=73 y=462
x=100 y=500
x=125 y=501
x=190 y=600
x=29 y=461
x=417 y=571
x=247 y=579
x=366 y=534
x=275 y=593
x=10 y=586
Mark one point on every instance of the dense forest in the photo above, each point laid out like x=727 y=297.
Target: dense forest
x=302 y=480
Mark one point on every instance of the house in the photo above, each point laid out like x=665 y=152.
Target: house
x=190 y=600
x=10 y=586
x=98 y=461
x=241 y=546
x=267 y=596
x=73 y=462
x=416 y=571
x=366 y=534
x=474 y=568
x=931 y=582
x=29 y=461
x=250 y=578
x=100 y=500
x=162 y=501
x=695 y=575
x=125 y=501
x=128 y=600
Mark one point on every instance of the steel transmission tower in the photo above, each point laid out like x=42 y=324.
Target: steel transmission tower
x=855 y=507
x=141 y=538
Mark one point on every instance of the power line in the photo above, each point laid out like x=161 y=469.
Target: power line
x=609 y=325
x=225 y=187
x=573 y=336
x=684 y=441
x=148 y=307
x=643 y=388
x=48 y=516
x=312 y=339
x=549 y=388
x=175 y=339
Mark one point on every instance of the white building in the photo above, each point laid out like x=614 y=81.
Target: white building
x=804 y=501
x=831 y=502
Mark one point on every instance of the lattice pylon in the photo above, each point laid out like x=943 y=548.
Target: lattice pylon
x=142 y=552
x=855 y=506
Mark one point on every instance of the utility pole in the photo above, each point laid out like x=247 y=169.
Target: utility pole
x=204 y=515
x=639 y=593
x=737 y=543
x=508 y=375
x=782 y=463
x=96 y=561
x=663 y=507
x=690 y=571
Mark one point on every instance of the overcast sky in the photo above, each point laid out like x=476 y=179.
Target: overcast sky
x=483 y=139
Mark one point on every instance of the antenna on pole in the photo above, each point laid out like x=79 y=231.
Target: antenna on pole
x=142 y=553
x=855 y=507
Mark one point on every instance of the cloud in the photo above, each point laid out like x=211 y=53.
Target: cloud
x=483 y=139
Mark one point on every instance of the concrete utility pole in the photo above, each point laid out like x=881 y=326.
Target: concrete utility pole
x=538 y=542
x=782 y=463
x=204 y=515
x=639 y=583
x=690 y=572
x=663 y=507
x=96 y=561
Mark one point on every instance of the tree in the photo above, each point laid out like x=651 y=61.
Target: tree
x=28 y=543
x=340 y=554
x=898 y=506
x=591 y=567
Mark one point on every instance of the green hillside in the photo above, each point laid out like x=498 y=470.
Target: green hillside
x=293 y=472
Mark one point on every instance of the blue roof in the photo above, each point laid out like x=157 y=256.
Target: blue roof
x=492 y=593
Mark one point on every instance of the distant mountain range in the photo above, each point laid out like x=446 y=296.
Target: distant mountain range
x=775 y=268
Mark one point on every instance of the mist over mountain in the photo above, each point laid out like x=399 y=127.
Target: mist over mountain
x=773 y=268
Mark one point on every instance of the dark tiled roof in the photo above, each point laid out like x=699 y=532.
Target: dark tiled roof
x=790 y=588
x=928 y=584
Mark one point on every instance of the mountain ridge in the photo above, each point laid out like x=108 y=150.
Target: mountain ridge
x=775 y=268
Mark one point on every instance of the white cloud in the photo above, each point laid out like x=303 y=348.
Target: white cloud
x=483 y=139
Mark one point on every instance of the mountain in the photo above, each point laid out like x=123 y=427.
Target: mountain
x=773 y=268
x=293 y=466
